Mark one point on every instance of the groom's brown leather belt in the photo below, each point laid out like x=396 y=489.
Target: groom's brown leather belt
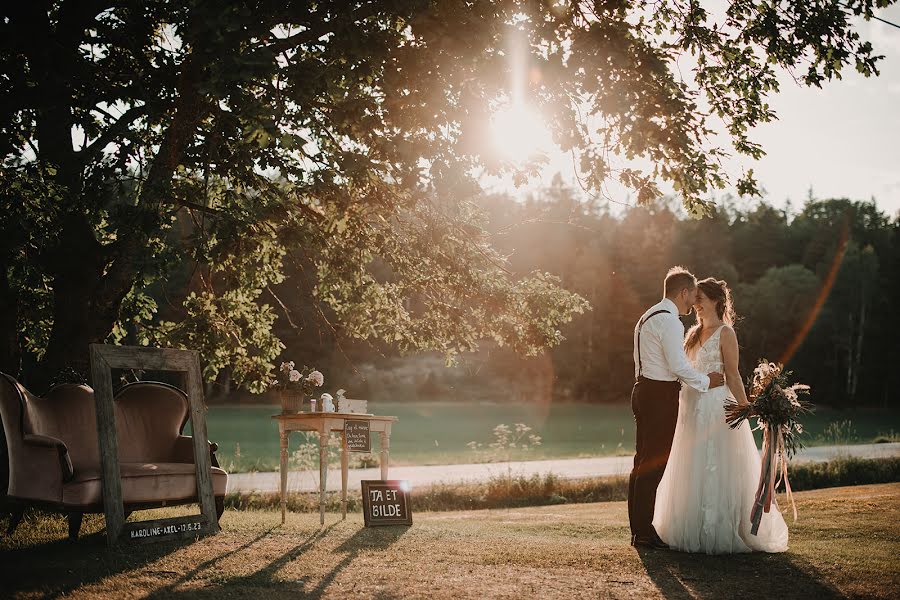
x=657 y=382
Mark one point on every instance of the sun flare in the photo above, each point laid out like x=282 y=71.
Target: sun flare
x=519 y=133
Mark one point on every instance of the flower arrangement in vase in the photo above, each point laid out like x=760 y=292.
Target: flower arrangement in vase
x=293 y=386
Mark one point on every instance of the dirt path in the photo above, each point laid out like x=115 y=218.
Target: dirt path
x=419 y=476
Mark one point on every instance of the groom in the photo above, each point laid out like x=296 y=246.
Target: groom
x=660 y=365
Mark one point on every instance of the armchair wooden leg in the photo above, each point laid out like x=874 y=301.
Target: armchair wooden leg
x=74 y=524
x=220 y=506
x=15 y=517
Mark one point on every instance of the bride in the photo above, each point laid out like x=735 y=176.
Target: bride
x=704 y=500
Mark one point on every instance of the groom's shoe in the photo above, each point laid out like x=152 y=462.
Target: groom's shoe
x=648 y=541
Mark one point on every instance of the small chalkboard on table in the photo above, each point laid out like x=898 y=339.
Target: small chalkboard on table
x=386 y=503
x=357 y=435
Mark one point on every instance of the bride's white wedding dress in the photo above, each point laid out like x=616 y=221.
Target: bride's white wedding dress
x=704 y=500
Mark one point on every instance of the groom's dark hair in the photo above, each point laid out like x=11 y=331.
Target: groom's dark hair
x=677 y=279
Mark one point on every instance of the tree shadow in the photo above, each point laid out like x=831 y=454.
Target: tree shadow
x=264 y=581
x=259 y=582
x=755 y=575
x=165 y=591
x=61 y=566
x=57 y=568
x=366 y=539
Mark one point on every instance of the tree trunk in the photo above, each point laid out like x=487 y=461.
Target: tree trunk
x=859 y=341
x=77 y=266
x=10 y=358
x=89 y=279
x=850 y=360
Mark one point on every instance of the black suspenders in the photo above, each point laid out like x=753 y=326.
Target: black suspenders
x=641 y=324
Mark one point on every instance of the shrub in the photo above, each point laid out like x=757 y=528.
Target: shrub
x=508 y=490
x=843 y=471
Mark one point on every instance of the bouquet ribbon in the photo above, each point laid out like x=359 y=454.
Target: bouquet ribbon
x=773 y=471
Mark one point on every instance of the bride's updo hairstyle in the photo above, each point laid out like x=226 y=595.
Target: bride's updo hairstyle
x=718 y=291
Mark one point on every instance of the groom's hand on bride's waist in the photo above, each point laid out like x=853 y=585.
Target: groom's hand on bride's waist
x=716 y=380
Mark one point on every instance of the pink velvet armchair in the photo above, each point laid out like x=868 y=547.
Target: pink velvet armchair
x=54 y=458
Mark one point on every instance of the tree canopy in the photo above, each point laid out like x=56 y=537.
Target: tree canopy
x=158 y=142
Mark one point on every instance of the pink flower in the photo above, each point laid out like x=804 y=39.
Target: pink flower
x=294 y=375
x=316 y=378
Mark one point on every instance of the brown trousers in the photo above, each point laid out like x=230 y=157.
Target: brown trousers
x=655 y=408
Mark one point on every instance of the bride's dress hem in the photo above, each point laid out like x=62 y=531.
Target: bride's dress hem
x=704 y=499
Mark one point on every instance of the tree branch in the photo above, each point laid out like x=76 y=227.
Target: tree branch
x=75 y=17
x=313 y=33
x=287 y=313
x=157 y=189
x=112 y=132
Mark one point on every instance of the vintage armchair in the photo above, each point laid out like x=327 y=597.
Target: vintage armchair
x=54 y=459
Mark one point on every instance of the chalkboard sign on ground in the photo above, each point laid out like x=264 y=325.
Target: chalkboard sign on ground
x=386 y=503
x=357 y=434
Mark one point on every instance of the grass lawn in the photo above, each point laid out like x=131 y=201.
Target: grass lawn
x=437 y=433
x=844 y=545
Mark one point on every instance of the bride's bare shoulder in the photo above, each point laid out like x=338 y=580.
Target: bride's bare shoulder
x=728 y=333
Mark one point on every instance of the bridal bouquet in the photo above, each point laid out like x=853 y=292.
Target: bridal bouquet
x=776 y=404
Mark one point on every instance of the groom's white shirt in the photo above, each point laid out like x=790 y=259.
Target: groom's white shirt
x=662 y=348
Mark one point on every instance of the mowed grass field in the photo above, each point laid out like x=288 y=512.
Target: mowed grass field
x=438 y=433
x=844 y=545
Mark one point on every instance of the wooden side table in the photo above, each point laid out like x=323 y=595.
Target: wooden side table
x=324 y=423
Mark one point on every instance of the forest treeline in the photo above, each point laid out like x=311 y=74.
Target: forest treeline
x=815 y=286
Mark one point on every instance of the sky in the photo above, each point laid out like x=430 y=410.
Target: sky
x=842 y=140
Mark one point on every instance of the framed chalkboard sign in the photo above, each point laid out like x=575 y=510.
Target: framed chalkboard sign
x=357 y=435
x=386 y=503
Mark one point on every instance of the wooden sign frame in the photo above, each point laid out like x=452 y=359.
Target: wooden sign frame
x=401 y=486
x=104 y=358
x=349 y=427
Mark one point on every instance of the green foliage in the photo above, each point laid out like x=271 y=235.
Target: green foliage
x=32 y=206
x=204 y=143
x=306 y=456
x=839 y=433
x=843 y=471
x=505 y=441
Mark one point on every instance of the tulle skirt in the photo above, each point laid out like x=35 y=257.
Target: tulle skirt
x=704 y=500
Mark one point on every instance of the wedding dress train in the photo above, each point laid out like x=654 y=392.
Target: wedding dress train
x=704 y=500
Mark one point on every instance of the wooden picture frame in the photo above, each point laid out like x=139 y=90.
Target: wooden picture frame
x=104 y=358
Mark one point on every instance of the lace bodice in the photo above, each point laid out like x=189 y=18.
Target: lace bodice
x=708 y=357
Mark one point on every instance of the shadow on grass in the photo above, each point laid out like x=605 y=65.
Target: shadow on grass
x=757 y=575
x=266 y=582
x=376 y=538
x=166 y=590
x=58 y=567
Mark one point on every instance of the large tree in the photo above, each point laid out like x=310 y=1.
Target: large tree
x=152 y=142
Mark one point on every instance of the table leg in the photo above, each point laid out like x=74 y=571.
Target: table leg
x=345 y=466
x=385 y=453
x=284 y=473
x=323 y=473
